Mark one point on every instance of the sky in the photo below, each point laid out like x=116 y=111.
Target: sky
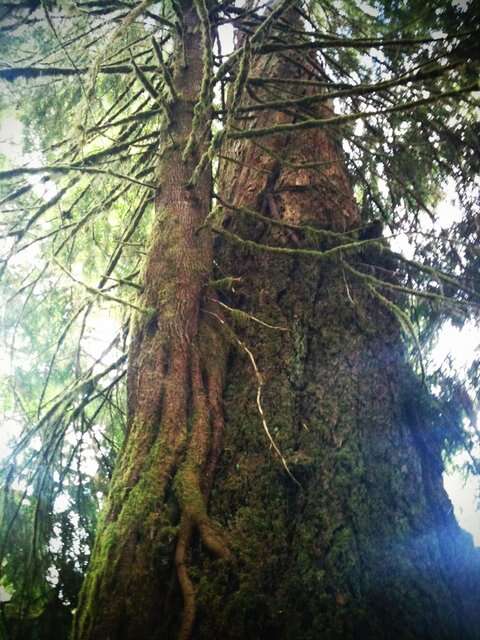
x=460 y=345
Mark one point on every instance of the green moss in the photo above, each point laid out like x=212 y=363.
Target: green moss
x=187 y=488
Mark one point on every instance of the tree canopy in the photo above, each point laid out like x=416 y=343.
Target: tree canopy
x=90 y=86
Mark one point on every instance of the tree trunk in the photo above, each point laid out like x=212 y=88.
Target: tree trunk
x=367 y=546
x=327 y=513
x=158 y=495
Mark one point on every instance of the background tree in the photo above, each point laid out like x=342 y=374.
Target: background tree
x=280 y=465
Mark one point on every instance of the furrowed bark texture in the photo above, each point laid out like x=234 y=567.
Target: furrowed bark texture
x=367 y=546
x=157 y=501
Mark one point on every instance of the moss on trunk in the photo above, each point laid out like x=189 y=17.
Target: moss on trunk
x=365 y=543
x=157 y=500
x=369 y=546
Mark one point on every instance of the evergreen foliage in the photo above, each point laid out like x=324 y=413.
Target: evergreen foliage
x=92 y=84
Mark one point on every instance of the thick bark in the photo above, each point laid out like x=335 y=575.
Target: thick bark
x=362 y=542
x=368 y=546
x=158 y=497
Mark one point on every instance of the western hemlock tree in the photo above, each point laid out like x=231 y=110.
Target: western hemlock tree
x=278 y=472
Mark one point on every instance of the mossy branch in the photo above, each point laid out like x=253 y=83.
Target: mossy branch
x=224 y=284
x=435 y=273
x=58 y=405
x=13 y=73
x=315 y=123
x=429 y=295
x=178 y=11
x=307 y=253
x=359 y=90
x=333 y=42
x=243 y=316
x=135 y=117
x=100 y=293
x=240 y=80
x=144 y=81
x=404 y=321
x=167 y=76
x=118 y=32
x=66 y=168
x=282 y=223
